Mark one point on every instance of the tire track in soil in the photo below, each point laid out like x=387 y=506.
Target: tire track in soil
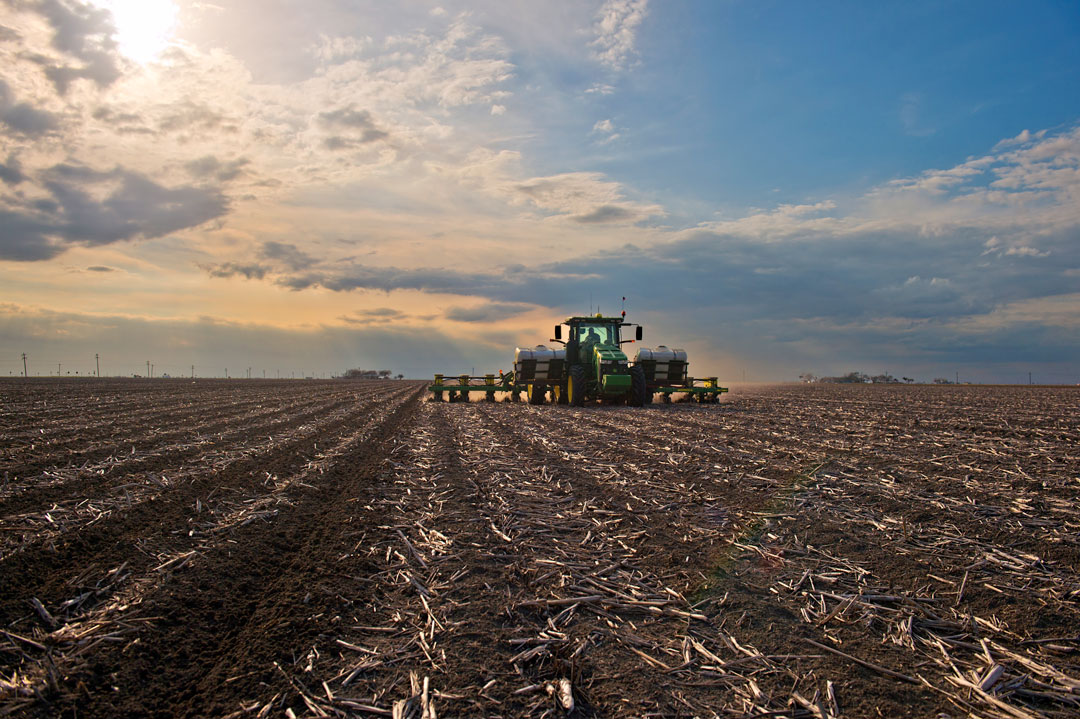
x=56 y=571
x=220 y=624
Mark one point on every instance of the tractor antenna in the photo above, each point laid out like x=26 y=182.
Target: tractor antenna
x=624 y=309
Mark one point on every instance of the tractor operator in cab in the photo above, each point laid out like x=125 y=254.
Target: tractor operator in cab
x=587 y=344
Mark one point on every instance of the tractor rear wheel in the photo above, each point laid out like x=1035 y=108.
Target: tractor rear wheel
x=637 y=387
x=536 y=393
x=575 y=387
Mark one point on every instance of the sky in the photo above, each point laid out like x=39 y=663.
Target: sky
x=298 y=188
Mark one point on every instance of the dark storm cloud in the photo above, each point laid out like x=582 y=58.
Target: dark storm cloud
x=84 y=32
x=134 y=207
x=23 y=118
x=491 y=312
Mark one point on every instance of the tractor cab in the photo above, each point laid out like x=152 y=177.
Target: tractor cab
x=597 y=366
x=587 y=333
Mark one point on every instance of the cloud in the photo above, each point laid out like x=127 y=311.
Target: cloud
x=387 y=279
x=491 y=312
x=1023 y=138
x=600 y=89
x=358 y=123
x=210 y=166
x=11 y=172
x=584 y=197
x=374 y=316
x=130 y=206
x=23 y=118
x=84 y=32
x=331 y=50
x=606 y=213
x=347 y=117
x=286 y=254
x=192 y=116
x=606 y=129
x=616 y=31
x=25 y=239
x=234 y=269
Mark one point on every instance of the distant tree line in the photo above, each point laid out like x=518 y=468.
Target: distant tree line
x=857 y=378
x=369 y=374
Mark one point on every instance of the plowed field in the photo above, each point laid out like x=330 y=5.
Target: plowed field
x=332 y=549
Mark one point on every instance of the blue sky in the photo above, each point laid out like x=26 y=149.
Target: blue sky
x=749 y=104
x=779 y=187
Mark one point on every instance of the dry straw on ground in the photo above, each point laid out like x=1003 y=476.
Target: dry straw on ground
x=348 y=549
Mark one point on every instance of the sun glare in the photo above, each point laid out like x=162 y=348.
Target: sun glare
x=143 y=27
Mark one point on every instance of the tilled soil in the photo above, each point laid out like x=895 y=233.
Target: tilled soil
x=254 y=548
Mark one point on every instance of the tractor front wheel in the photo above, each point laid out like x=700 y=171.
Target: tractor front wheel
x=575 y=387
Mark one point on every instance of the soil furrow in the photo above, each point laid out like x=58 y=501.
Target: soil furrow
x=76 y=560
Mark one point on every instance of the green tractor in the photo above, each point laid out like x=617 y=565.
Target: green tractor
x=591 y=367
x=596 y=368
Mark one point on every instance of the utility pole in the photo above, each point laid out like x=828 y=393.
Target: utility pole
x=57 y=369
x=1029 y=378
x=151 y=371
x=192 y=371
x=148 y=369
x=24 y=374
x=957 y=378
x=97 y=363
x=226 y=373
